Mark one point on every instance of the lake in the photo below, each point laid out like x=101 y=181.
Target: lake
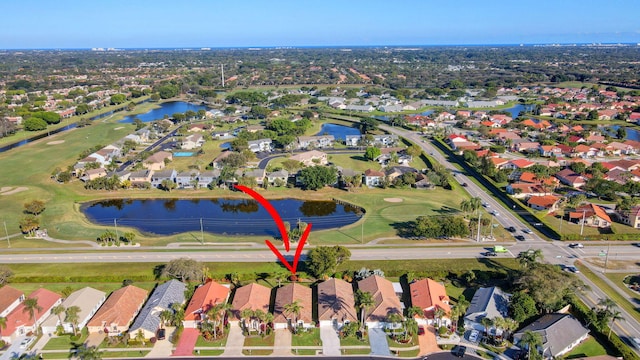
x=168 y=108
x=218 y=216
x=338 y=131
x=632 y=134
x=517 y=109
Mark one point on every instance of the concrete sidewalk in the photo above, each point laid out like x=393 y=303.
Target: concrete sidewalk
x=235 y=341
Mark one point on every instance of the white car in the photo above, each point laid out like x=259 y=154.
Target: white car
x=473 y=337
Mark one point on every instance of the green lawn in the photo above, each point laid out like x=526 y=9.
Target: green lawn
x=257 y=340
x=220 y=341
x=393 y=343
x=121 y=354
x=307 y=338
x=63 y=342
x=208 y=352
x=587 y=348
x=354 y=341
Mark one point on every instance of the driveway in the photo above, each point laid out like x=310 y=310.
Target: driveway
x=378 y=342
x=162 y=348
x=330 y=341
x=235 y=341
x=95 y=339
x=282 y=343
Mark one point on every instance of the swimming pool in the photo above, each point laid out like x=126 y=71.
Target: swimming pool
x=183 y=154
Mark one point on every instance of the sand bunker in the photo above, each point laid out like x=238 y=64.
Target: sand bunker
x=55 y=142
x=16 y=190
x=119 y=127
x=393 y=200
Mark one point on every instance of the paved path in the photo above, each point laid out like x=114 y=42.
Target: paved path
x=94 y=339
x=378 y=342
x=235 y=341
x=282 y=343
x=187 y=342
x=427 y=341
x=162 y=348
x=330 y=341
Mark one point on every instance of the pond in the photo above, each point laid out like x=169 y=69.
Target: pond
x=218 y=215
x=168 y=108
x=632 y=134
x=516 y=110
x=339 y=132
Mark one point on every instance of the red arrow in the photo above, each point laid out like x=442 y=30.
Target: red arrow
x=274 y=214
x=292 y=267
x=283 y=232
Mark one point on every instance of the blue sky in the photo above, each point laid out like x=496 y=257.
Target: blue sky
x=253 y=23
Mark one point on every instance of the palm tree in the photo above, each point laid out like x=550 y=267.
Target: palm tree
x=213 y=317
x=140 y=337
x=71 y=316
x=246 y=315
x=268 y=320
x=509 y=326
x=487 y=323
x=614 y=315
x=395 y=318
x=225 y=312
x=532 y=340
x=279 y=276
x=31 y=306
x=607 y=304
x=411 y=327
x=3 y=323
x=438 y=313
x=58 y=310
x=364 y=301
x=498 y=322
x=260 y=317
x=414 y=311
x=165 y=316
x=85 y=352
x=293 y=308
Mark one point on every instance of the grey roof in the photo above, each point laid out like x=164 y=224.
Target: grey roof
x=161 y=299
x=488 y=302
x=164 y=174
x=87 y=299
x=558 y=332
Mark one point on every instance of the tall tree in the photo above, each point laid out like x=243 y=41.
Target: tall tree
x=364 y=301
x=72 y=316
x=531 y=340
x=34 y=207
x=58 y=310
x=31 y=306
x=293 y=309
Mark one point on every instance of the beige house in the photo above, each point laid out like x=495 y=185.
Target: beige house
x=118 y=311
x=336 y=304
x=289 y=294
x=87 y=299
x=157 y=160
x=311 y=158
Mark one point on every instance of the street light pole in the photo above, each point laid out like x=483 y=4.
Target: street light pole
x=479 y=217
x=6 y=232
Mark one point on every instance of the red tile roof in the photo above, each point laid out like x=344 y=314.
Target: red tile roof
x=522 y=163
x=8 y=296
x=384 y=296
x=253 y=296
x=545 y=201
x=204 y=298
x=21 y=317
x=120 y=308
x=428 y=294
x=289 y=294
x=336 y=301
x=591 y=210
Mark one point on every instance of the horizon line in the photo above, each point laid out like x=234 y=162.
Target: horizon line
x=409 y=46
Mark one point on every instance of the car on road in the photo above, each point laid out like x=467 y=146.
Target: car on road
x=511 y=229
x=636 y=244
x=636 y=342
x=464 y=184
x=527 y=231
x=26 y=342
x=519 y=237
x=490 y=253
x=459 y=351
x=484 y=204
x=494 y=213
x=473 y=337
x=537 y=224
x=572 y=268
x=576 y=246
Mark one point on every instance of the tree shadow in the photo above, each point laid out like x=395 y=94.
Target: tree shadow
x=358 y=158
x=447 y=210
x=158 y=270
x=405 y=229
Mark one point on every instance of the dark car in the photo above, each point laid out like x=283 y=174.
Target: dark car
x=464 y=184
x=161 y=334
x=490 y=253
x=459 y=351
x=511 y=229
x=520 y=237
x=420 y=330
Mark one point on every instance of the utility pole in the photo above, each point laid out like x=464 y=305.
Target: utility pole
x=222 y=73
x=606 y=259
x=479 y=216
x=362 y=231
x=115 y=224
x=584 y=213
x=201 y=232
x=6 y=232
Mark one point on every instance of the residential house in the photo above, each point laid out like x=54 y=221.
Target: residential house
x=204 y=298
x=159 y=176
x=260 y=145
x=192 y=141
x=19 y=321
x=197 y=127
x=396 y=171
x=162 y=298
x=385 y=301
x=486 y=303
x=93 y=174
x=360 y=108
x=289 y=294
x=222 y=135
x=115 y=315
x=311 y=158
x=315 y=142
x=10 y=298
x=560 y=333
x=373 y=178
x=157 y=161
x=527 y=146
x=208 y=178
x=254 y=297
x=140 y=178
x=523 y=190
x=187 y=179
x=87 y=299
x=352 y=140
x=280 y=176
x=422 y=182
x=584 y=151
x=218 y=162
x=550 y=150
x=336 y=304
x=385 y=140
x=429 y=296
x=630 y=217
x=518 y=164
x=258 y=174
x=545 y=202
x=568 y=177
x=591 y=215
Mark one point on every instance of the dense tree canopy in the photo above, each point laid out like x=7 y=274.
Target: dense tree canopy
x=317 y=177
